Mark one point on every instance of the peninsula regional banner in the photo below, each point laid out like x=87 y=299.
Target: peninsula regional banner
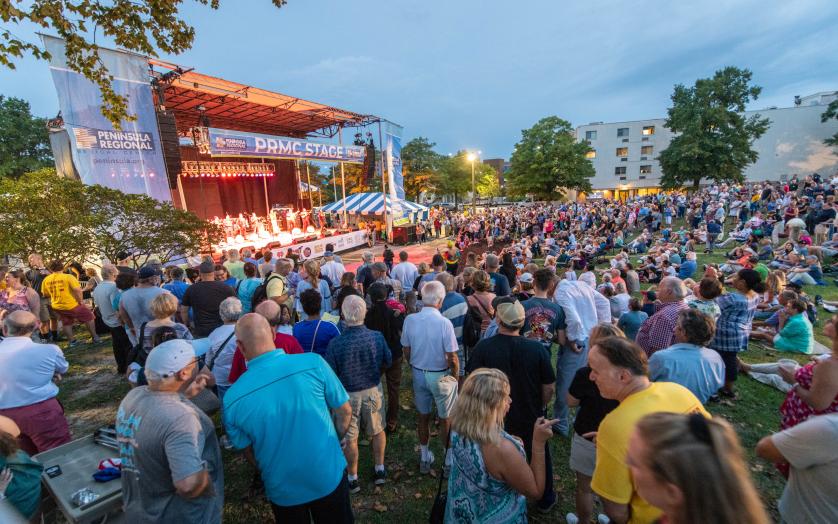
x=223 y=142
x=130 y=160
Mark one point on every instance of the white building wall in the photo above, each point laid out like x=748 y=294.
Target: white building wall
x=792 y=144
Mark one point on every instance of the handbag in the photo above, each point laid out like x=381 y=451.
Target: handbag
x=437 y=515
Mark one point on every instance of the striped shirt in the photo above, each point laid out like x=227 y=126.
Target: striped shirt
x=455 y=308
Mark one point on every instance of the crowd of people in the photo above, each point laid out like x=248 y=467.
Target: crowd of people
x=303 y=359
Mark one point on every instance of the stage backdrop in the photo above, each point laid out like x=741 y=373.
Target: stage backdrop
x=130 y=160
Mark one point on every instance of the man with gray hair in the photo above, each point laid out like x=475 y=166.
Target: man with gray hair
x=499 y=282
x=358 y=356
x=29 y=376
x=363 y=275
x=171 y=462
x=658 y=331
x=222 y=340
x=379 y=275
x=135 y=303
x=430 y=345
x=103 y=294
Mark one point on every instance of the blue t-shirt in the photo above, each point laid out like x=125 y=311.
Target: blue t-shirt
x=280 y=407
x=246 y=288
x=500 y=285
x=687 y=269
x=630 y=323
x=304 y=333
x=177 y=288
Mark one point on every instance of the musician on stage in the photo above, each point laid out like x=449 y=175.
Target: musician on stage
x=304 y=218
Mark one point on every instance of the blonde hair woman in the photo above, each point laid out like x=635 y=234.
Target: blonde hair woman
x=693 y=469
x=490 y=478
x=313 y=281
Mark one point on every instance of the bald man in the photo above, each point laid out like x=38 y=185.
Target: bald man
x=273 y=313
x=257 y=408
x=30 y=373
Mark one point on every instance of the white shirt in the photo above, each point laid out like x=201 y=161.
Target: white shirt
x=103 y=294
x=26 y=371
x=222 y=357
x=588 y=277
x=333 y=271
x=429 y=336
x=583 y=307
x=406 y=273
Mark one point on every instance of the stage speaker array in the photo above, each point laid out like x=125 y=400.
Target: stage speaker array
x=170 y=144
x=369 y=164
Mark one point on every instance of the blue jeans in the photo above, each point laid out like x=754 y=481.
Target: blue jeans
x=567 y=364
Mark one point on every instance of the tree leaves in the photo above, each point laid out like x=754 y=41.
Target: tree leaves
x=65 y=219
x=142 y=26
x=715 y=137
x=548 y=159
x=24 y=139
x=831 y=112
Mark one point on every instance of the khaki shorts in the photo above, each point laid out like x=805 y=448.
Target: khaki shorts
x=46 y=313
x=365 y=404
x=582 y=455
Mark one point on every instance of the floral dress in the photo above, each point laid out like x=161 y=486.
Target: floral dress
x=14 y=301
x=794 y=409
x=473 y=495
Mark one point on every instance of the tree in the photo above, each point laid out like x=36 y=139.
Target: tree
x=831 y=112
x=714 y=137
x=65 y=219
x=547 y=160
x=142 y=26
x=488 y=184
x=454 y=176
x=24 y=140
x=420 y=167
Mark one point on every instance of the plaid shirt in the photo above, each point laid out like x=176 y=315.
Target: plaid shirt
x=658 y=331
x=734 y=325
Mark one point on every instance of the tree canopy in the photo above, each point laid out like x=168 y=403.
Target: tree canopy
x=488 y=183
x=65 y=219
x=547 y=160
x=142 y=26
x=420 y=167
x=714 y=137
x=831 y=112
x=24 y=139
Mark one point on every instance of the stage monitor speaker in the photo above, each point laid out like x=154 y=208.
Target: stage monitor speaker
x=170 y=144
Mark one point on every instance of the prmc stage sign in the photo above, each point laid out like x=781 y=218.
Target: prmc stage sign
x=223 y=142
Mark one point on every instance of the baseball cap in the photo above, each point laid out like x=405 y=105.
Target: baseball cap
x=511 y=314
x=206 y=267
x=122 y=255
x=526 y=277
x=169 y=357
x=147 y=272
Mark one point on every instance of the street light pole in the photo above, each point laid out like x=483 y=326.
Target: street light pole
x=473 y=192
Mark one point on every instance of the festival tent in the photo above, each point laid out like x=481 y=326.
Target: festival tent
x=372 y=204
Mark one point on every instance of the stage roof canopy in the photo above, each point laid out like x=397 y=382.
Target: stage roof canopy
x=239 y=107
x=370 y=204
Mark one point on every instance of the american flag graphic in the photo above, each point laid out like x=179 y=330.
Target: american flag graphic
x=85 y=138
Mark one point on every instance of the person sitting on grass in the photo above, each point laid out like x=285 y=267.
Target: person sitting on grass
x=704 y=297
x=809 y=273
x=795 y=334
x=631 y=320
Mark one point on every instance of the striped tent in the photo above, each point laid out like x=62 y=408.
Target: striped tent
x=371 y=204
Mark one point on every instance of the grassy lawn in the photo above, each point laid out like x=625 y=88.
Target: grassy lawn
x=91 y=392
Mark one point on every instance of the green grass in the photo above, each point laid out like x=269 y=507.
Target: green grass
x=91 y=393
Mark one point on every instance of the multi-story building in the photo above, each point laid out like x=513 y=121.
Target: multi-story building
x=625 y=154
x=500 y=166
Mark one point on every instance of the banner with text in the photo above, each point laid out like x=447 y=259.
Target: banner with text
x=223 y=142
x=130 y=160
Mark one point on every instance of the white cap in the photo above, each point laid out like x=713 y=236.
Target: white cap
x=168 y=358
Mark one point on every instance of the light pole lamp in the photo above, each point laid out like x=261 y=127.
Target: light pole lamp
x=471 y=157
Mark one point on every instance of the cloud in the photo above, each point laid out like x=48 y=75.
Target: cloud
x=820 y=157
x=784 y=148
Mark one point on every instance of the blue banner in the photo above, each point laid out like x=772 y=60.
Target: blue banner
x=394 y=166
x=130 y=160
x=223 y=142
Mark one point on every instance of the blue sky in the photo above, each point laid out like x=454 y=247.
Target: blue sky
x=472 y=74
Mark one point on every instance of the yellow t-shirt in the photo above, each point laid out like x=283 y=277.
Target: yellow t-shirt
x=612 y=478
x=276 y=286
x=57 y=287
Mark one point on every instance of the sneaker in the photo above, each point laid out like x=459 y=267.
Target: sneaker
x=603 y=519
x=380 y=477
x=225 y=442
x=354 y=486
x=73 y=343
x=548 y=508
x=425 y=465
x=818 y=300
x=571 y=518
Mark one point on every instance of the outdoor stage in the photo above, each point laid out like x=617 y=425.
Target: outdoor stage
x=302 y=243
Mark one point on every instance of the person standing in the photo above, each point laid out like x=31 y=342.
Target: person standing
x=301 y=463
x=527 y=365
x=389 y=323
x=405 y=272
x=205 y=297
x=500 y=284
x=358 y=357
x=104 y=295
x=234 y=266
x=619 y=368
x=430 y=347
x=65 y=298
x=332 y=269
x=171 y=462
x=135 y=303
x=454 y=308
x=583 y=308
x=36 y=274
x=545 y=319
x=29 y=377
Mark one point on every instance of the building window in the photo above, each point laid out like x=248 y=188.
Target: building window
x=646 y=169
x=622 y=131
x=625 y=140
x=648 y=130
x=622 y=152
x=590 y=135
x=642 y=177
x=590 y=155
x=646 y=150
x=620 y=170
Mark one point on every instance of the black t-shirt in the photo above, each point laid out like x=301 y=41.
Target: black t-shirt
x=527 y=365
x=205 y=298
x=592 y=407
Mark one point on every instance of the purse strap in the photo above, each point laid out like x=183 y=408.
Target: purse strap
x=447 y=446
x=211 y=363
x=314 y=338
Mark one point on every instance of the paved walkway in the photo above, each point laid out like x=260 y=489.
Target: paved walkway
x=416 y=253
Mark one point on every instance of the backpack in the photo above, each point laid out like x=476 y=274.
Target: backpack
x=260 y=294
x=471 y=327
